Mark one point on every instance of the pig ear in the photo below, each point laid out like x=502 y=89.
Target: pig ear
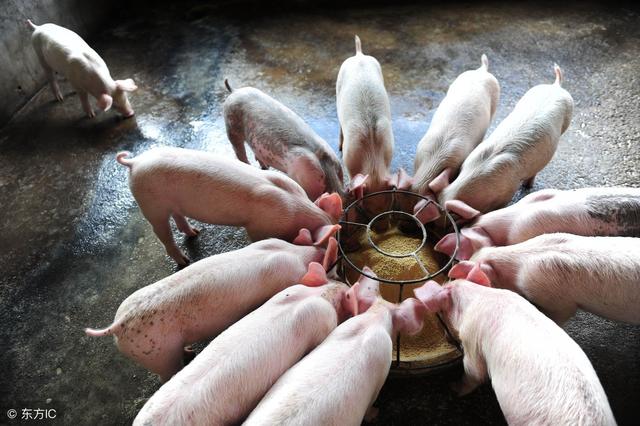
x=323 y=233
x=434 y=297
x=462 y=209
x=407 y=317
x=315 y=276
x=426 y=211
x=358 y=185
x=126 y=85
x=104 y=102
x=304 y=238
x=442 y=180
x=366 y=290
x=471 y=271
x=331 y=204
x=448 y=244
x=330 y=254
x=477 y=275
x=350 y=301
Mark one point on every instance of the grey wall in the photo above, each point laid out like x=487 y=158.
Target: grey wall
x=20 y=73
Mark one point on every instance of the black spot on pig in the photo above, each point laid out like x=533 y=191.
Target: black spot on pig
x=618 y=210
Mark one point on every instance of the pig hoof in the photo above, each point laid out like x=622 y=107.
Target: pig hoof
x=193 y=232
x=188 y=355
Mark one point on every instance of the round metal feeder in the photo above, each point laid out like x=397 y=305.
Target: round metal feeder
x=344 y=263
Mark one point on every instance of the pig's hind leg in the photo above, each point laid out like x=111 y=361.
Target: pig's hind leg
x=183 y=225
x=51 y=76
x=162 y=230
x=236 y=137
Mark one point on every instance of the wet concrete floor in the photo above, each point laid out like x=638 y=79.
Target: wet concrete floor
x=74 y=244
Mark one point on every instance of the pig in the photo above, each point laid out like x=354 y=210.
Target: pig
x=539 y=374
x=560 y=273
x=366 y=137
x=521 y=145
x=281 y=139
x=457 y=127
x=155 y=324
x=337 y=383
x=585 y=211
x=62 y=50
x=226 y=381
x=179 y=183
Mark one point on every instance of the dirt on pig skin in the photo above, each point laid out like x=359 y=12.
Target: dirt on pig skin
x=74 y=244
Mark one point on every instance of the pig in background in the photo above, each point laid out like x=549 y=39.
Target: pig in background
x=281 y=139
x=338 y=382
x=585 y=211
x=522 y=144
x=179 y=183
x=155 y=324
x=458 y=126
x=366 y=136
x=539 y=374
x=228 y=378
x=561 y=273
x=62 y=50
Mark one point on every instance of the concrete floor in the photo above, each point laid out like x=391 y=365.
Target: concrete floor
x=74 y=244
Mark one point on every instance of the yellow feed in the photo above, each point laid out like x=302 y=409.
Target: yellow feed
x=430 y=346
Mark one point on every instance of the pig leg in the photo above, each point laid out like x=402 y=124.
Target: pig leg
x=236 y=137
x=183 y=225
x=86 y=106
x=341 y=140
x=528 y=184
x=262 y=165
x=474 y=374
x=163 y=232
x=371 y=414
x=51 y=76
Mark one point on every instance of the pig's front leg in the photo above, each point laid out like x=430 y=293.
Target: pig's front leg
x=475 y=373
x=86 y=106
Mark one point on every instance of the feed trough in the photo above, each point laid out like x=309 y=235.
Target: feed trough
x=399 y=249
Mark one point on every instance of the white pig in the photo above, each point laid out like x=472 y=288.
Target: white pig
x=226 y=381
x=539 y=374
x=180 y=183
x=366 y=137
x=155 y=324
x=62 y=50
x=561 y=273
x=585 y=211
x=281 y=139
x=521 y=145
x=338 y=382
x=457 y=127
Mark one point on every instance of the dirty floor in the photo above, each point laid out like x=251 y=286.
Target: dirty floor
x=73 y=243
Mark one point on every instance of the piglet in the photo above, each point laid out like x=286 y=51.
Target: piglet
x=585 y=211
x=561 y=273
x=539 y=374
x=226 y=381
x=281 y=139
x=64 y=51
x=366 y=137
x=457 y=127
x=154 y=324
x=521 y=145
x=180 y=183
x=338 y=382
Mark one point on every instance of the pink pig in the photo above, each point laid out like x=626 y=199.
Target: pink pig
x=366 y=137
x=181 y=183
x=561 y=273
x=226 y=381
x=585 y=211
x=539 y=374
x=62 y=50
x=154 y=324
x=338 y=382
x=281 y=139
x=457 y=127
x=521 y=145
